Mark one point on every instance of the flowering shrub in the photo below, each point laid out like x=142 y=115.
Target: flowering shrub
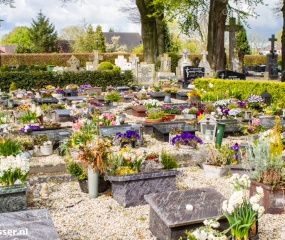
x=193 y=92
x=107 y=119
x=240 y=211
x=170 y=109
x=224 y=112
x=186 y=139
x=13 y=168
x=152 y=103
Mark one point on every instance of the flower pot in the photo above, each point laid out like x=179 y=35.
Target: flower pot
x=57 y=95
x=212 y=171
x=189 y=116
x=274 y=197
x=13 y=198
x=83 y=184
x=185 y=147
x=104 y=185
x=46 y=150
x=93 y=182
x=28 y=153
x=147 y=120
x=170 y=116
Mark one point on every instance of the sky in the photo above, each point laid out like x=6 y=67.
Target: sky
x=105 y=13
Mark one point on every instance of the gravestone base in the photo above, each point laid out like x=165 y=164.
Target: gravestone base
x=13 y=198
x=169 y=218
x=130 y=189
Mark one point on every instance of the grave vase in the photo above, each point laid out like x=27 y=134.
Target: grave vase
x=13 y=198
x=93 y=182
x=212 y=171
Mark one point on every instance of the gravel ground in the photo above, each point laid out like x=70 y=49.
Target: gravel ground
x=75 y=216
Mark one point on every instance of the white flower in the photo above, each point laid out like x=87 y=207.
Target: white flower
x=225 y=205
x=261 y=210
x=255 y=206
x=230 y=209
x=211 y=85
x=253 y=200
x=189 y=207
x=260 y=191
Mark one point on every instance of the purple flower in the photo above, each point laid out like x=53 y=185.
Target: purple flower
x=30 y=127
x=129 y=135
x=85 y=85
x=241 y=103
x=59 y=91
x=186 y=138
x=234 y=147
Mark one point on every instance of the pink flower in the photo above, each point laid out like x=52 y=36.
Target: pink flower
x=76 y=126
x=256 y=122
x=251 y=128
x=111 y=116
x=114 y=123
x=100 y=123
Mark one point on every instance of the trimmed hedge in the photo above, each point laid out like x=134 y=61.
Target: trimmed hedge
x=40 y=79
x=245 y=87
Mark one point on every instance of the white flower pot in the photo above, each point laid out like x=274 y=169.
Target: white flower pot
x=57 y=95
x=46 y=150
x=189 y=116
x=212 y=171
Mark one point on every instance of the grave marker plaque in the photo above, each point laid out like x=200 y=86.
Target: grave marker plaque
x=169 y=218
x=190 y=73
x=146 y=74
x=31 y=224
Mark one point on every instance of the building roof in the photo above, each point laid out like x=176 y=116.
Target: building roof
x=278 y=46
x=130 y=39
x=8 y=48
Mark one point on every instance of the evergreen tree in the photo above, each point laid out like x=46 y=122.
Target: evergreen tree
x=100 y=39
x=42 y=34
x=90 y=40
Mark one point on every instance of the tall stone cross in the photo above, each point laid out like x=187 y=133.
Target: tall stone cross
x=204 y=56
x=96 y=59
x=232 y=28
x=272 y=51
x=165 y=63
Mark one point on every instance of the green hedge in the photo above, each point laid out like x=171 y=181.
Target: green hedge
x=33 y=80
x=276 y=89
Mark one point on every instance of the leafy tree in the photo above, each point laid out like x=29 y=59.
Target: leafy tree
x=115 y=46
x=19 y=36
x=100 y=39
x=42 y=34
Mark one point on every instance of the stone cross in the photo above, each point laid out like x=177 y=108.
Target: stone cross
x=232 y=28
x=96 y=59
x=74 y=63
x=204 y=54
x=133 y=59
x=272 y=51
x=205 y=64
x=165 y=63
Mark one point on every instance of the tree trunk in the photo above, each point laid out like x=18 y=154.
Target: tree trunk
x=160 y=35
x=283 y=37
x=216 y=30
x=151 y=31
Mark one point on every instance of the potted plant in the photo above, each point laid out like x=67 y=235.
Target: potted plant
x=107 y=119
x=186 y=140
x=28 y=117
x=218 y=159
x=57 y=93
x=133 y=176
x=170 y=111
x=173 y=132
x=152 y=103
x=194 y=95
x=114 y=97
x=242 y=211
x=154 y=115
x=190 y=113
x=129 y=136
x=42 y=144
x=14 y=170
x=264 y=157
x=76 y=170
x=27 y=147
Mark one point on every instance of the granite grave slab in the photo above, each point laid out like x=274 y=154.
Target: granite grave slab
x=31 y=224
x=169 y=218
x=61 y=115
x=130 y=189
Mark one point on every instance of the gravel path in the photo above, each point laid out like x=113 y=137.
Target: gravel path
x=77 y=217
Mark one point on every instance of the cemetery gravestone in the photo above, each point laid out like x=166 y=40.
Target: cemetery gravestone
x=232 y=28
x=227 y=74
x=146 y=74
x=235 y=65
x=89 y=66
x=31 y=224
x=133 y=59
x=165 y=63
x=74 y=63
x=169 y=218
x=271 y=61
x=190 y=73
x=206 y=65
x=183 y=62
x=122 y=63
x=96 y=59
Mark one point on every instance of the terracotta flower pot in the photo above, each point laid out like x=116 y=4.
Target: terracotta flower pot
x=147 y=120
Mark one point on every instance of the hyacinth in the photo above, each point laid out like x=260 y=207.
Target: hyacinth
x=254 y=98
x=187 y=139
x=234 y=112
x=223 y=111
x=13 y=168
x=223 y=102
